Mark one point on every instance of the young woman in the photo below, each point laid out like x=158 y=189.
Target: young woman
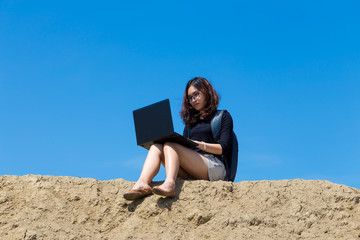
x=203 y=162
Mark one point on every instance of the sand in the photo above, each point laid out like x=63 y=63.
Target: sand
x=48 y=207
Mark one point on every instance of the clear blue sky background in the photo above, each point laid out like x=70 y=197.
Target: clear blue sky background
x=72 y=72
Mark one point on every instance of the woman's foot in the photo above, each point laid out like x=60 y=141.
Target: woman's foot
x=167 y=189
x=138 y=191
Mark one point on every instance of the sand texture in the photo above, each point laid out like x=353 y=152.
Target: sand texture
x=47 y=207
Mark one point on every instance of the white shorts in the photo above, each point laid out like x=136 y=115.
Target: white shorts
x=216 y=168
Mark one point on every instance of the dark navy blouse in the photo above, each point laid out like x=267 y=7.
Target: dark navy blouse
x=201 y=131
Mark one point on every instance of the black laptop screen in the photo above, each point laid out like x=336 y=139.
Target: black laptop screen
x=153 y=121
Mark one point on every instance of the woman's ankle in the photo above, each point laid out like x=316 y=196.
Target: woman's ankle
x=140 y=184
x=169 y=183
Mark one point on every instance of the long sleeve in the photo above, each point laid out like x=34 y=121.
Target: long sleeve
x=226 y=133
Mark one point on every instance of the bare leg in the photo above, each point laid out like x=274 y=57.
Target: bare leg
x=181 y=173
x=191 y=162
x=151 y=166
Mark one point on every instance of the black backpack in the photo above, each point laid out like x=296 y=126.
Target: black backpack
x=230 y=160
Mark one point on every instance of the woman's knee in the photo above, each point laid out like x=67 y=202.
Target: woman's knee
x=170 y=145
x=158 y=148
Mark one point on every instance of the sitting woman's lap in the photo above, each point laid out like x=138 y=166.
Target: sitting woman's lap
x=189 y=160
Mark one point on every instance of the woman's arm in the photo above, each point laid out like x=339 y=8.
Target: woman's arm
x=226 y=132
x=213 y=148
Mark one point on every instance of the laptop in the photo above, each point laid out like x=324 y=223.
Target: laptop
x=153 y=124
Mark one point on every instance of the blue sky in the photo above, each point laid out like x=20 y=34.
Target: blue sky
x=72 y=72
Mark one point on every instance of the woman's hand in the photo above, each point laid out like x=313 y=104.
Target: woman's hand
x=199 y=143
x=213 y=148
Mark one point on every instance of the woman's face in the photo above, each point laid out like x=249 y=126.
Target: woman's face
x=196 y=98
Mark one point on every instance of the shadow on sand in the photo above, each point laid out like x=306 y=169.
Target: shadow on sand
x=164 y=202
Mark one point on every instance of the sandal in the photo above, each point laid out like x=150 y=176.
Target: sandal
x=137 y=193
x=161 y=192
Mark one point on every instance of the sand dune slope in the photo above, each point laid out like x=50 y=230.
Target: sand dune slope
x=47 y=207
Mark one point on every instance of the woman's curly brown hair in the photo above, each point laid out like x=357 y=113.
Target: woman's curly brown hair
x=190 y=115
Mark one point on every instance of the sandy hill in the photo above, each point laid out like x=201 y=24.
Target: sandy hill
x=47 y=207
